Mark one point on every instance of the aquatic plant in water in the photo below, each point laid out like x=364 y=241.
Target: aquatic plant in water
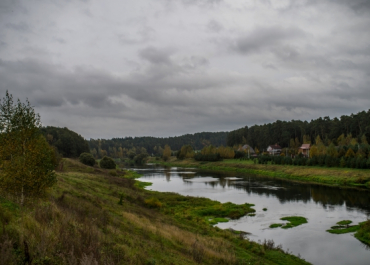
x=293 y=222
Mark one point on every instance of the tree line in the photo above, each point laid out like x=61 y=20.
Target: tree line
x=68 y=143
x=130 y=146
x=295 y=132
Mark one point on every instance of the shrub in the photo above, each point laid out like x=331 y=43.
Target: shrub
x=211 y=157
x=87 y=159
x=277 y=159
x=287 y=160
x=140 y=159
x=264 y=159
x=321 y=160
x=153 y=202
x=240 y=154
x=351 y=163
x=107 y=163
x=113 y=172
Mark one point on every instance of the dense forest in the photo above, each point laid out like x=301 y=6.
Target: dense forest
x=67 y=142
x=287 y=133
x=121 y=147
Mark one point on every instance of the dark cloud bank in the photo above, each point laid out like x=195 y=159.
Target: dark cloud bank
x=217 y=75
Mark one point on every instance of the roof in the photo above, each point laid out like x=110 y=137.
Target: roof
x=246 y=147
x=305 y=146
x=276 y=146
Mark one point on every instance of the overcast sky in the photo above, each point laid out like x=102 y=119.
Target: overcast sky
x=119 y=68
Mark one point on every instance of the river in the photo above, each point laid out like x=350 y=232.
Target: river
x=323 y=207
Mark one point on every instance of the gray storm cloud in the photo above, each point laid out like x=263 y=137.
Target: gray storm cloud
x=168 y=68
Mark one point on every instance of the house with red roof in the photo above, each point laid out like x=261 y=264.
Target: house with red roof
x=304 y=150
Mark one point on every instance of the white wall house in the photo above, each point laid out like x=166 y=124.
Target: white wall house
x=274 y=149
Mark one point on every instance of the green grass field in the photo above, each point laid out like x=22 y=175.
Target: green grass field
x=321 y=175
x=92 y=216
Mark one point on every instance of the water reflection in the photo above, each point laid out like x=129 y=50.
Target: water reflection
x=323 y=206
x=284 y=191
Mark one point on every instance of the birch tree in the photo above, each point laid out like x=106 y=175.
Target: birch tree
x=27 y=159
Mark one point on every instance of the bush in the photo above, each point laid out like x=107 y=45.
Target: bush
x=140 y=159
x=113 y=172
x=153 y=203
x=239 y=154
x=211 y=157
x=321 y=160
x=287 y=160
x=264 y=159
x=107 y=163
x=87 y=159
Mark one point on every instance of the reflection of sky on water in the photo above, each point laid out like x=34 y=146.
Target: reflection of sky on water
x=323 y=206
x=202 y=180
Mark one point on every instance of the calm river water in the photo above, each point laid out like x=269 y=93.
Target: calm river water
x=322 y=206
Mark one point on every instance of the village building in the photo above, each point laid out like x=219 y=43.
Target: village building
x=249 y=150
x=304 y=150
x=274 y=149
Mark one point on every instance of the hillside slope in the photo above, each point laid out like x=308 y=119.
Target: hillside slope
x=94 y=216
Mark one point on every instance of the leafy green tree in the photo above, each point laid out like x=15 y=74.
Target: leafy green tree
x=87 y=159
x=350 y=153
x=140 y=159
x=131 y=155
x=186 y=152
x=332 y=151
x=27 y=159
x=363 y=139
x=166 y=152
x=256 y=150
x=107 y=163
x=69 y=143
x=306 y=139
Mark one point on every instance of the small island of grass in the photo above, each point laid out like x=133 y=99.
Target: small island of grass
x=276 y=225
x=362 y=230
x=344 y=222
x=343 y=227
x=293 y=222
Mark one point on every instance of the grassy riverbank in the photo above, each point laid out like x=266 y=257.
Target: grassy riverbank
x=363 y=233
x=95 y=216
x=321 y=175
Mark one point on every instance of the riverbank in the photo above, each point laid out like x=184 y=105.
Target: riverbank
x=95 y=216
x=319 y=175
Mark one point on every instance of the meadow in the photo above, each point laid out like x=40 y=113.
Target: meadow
x=312 y=174
x=96 y=216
